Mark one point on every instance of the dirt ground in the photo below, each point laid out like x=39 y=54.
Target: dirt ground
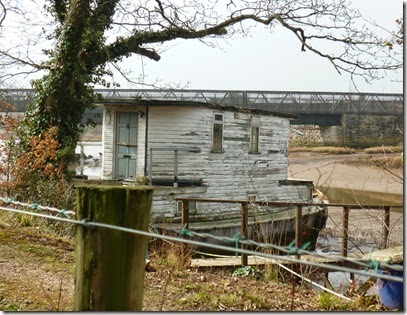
x=38 y=277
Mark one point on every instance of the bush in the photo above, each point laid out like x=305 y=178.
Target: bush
x=28 y=170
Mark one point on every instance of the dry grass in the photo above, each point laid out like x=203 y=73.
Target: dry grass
x=346 y=150
x=384 y=150
x=325 y=150
x=384 y=162
x=37 y=274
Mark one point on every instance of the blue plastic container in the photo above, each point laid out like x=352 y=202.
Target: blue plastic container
x=391 y=292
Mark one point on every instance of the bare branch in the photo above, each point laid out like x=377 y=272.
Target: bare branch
x=27 y=62
x=110 y=30
x=3 y=12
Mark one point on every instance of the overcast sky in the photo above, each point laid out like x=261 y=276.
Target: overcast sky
x=265 y=61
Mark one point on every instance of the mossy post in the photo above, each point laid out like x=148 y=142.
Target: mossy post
x=110 y=264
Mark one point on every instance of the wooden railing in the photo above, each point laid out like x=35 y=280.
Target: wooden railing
x=298 y=226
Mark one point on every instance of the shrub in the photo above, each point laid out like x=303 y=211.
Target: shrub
x=249 y=272
x=28 y=170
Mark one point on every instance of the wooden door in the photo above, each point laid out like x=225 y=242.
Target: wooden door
x=126 y=145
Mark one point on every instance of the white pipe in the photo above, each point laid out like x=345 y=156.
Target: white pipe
x=297 y=131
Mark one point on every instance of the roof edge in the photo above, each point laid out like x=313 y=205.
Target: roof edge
x=153 y=102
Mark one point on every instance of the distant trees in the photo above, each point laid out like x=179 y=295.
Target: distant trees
x=76 y=43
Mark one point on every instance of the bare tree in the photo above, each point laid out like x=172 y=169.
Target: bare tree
x=79 y=39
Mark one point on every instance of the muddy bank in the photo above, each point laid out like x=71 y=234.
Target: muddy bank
x=353 y=184
x=329 y=171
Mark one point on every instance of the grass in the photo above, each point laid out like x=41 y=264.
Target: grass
x=384 y=162
x=41 y=278
x=330 y=302
x=346 y=150
x=44 y=260
x=324 y=150
x=384 y=149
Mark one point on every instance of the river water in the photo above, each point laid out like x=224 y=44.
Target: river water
x=92 y=161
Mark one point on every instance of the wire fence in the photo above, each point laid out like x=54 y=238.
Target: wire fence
x=369 y=268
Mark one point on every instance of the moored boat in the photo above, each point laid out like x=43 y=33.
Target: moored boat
x=266 y=225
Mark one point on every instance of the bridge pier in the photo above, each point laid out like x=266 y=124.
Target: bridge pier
x=355 y=131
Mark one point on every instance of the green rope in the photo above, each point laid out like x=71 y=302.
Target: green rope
x=9 y=200
x=306 y=245
x=63 y=211
x=373 y=264
x=293 y=250
x=185 y=232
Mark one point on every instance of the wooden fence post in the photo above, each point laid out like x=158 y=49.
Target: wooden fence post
x=184 y=223
x=386 y=227
x=243 y=230
x=110 y=264
x=185 y=214
x=345 y=237
x=345 y=231
x=298 y=226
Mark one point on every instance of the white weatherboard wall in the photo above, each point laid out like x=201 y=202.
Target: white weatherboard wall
x=232 y=174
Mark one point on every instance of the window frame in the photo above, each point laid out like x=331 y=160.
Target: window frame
x=216 y=123
x=255 y=135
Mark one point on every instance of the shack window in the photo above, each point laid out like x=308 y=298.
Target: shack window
x=217 y=140
x=254 y=135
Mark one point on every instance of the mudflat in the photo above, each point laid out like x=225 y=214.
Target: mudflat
x=331 y=171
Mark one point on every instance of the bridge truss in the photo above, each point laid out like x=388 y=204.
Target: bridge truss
x=279 y=101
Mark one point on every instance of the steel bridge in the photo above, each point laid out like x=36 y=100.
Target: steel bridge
x=322 y=107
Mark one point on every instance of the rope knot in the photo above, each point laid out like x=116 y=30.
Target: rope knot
x=9 y=200
x=64 y=212
x=293 y=250
x=373 y=264
x=185 y=232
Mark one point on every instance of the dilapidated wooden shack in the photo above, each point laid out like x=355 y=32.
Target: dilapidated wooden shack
x=196 y=149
